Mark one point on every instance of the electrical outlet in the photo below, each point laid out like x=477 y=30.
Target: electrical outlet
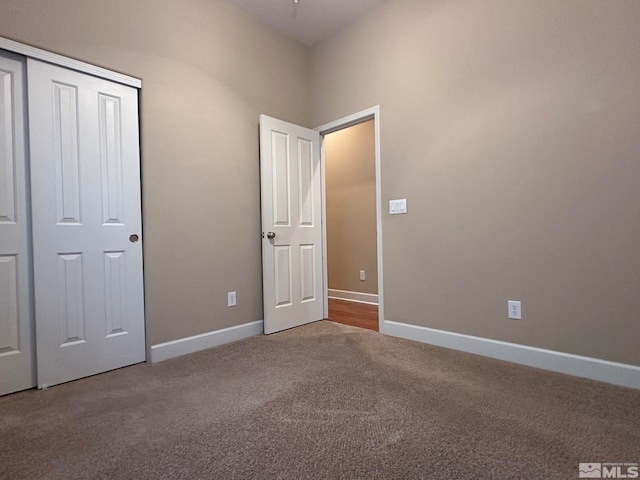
x=231 y=299
x=515 y=309
x=362 y=275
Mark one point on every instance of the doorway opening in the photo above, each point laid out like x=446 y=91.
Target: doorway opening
x=352 y=220
x=294 y=234
x=350 y=189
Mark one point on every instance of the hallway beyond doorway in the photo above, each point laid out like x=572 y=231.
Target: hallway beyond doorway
x=356 y=314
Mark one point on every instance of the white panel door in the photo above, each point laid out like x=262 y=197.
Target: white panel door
x=17 y=367
x=85 y=174
x=291 y=225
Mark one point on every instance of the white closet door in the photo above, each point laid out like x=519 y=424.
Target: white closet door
x=17 y=367
x=85 y=173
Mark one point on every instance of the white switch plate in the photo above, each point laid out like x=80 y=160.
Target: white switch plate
x=362 y=275
x=231 y=299
x=515 y=309
x=397 y=207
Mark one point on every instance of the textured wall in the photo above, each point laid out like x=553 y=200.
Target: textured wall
x=208 y=71
x=512 y=129
x=351 y=208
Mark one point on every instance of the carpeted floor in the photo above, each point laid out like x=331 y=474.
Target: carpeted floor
x=320 y=401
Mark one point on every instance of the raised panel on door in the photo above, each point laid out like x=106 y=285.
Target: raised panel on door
x=306 y=197
x=115 y=282
x=7 y=148
x=282 y=277
x=291 y=202
x=9 y=324
x=71 y=306
x=308 y=287
x=280 y=175
x=86 y=203
x=66 y=151
x=111 y=159
x=17 y=359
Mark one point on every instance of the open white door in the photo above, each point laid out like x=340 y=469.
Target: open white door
x=291 y=225
x=85 y=175
x=17 y=368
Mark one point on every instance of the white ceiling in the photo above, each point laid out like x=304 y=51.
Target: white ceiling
x=308 y=21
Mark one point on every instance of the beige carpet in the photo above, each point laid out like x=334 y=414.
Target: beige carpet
x=321 y=401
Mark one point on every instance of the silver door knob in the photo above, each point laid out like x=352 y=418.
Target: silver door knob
x=271 y=235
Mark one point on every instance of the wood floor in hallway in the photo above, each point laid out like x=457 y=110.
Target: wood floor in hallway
x=356 y=314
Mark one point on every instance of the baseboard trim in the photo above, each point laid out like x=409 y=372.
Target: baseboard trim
x=369 y=298
x=576 y=365
x=184 y=346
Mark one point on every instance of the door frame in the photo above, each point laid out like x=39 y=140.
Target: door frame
x=372 y=113
x=67 y=62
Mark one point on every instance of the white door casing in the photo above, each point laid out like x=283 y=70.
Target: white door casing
x=85 y=174
x=17 y=366
x=372 y=113
x=292 y=210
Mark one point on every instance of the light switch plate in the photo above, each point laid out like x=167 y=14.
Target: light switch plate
x=397 y=207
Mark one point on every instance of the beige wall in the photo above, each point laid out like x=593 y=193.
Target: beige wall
x=351 y=208
x=208 y=71
x=510 y=125
x=512 y=129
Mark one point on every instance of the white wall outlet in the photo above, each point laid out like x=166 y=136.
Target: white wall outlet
x=231 y=299
x=362 y=275
x=515 y=309
x=397 y=207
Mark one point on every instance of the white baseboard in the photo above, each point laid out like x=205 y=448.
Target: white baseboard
x=184 y=346
x=370 y=298
x=576 y=365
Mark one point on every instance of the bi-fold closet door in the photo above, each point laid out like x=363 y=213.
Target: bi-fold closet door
x=83 y=215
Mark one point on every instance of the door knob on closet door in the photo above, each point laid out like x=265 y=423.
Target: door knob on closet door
x=133 y=238
x=271 y=235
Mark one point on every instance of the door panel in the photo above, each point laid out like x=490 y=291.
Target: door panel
x=306 y=185
x=9 y=325
x=65 y=154
x=291 y=203
x=17 y=366
x=7 y=147
x=86 y=203
x=111 y=159
x=307 y=273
